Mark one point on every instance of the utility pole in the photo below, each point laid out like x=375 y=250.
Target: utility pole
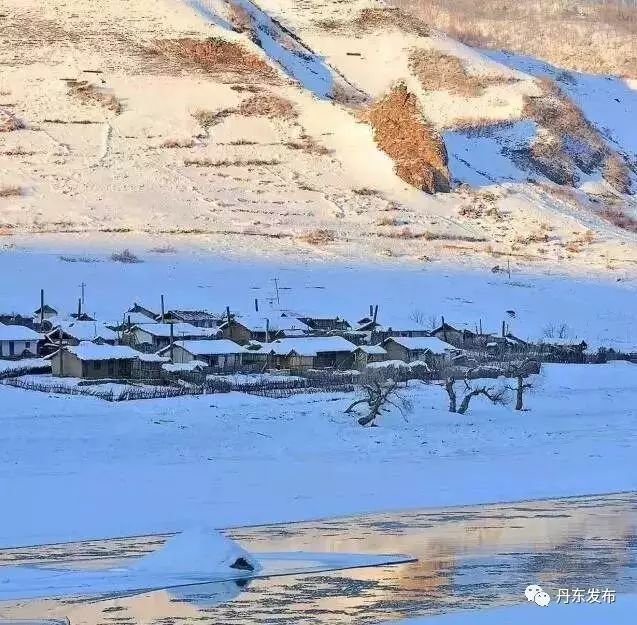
x=172 y=341
x=82 y=286
x=162 y=309
x=41 y=309
x=276 y=286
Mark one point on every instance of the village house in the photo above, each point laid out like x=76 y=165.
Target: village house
x=222 y=355
x=197 y=318
x=94 y=361
x=506 y=345
x=367 y=354
x=562 y=350
x=319 y=322
x=152 y=337
x=75 y=332
x=333 y=352
x=18 y=342
x=245 y=328
x=463 y=337
x=428 y=349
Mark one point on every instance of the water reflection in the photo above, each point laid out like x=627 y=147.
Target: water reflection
x=467 y=558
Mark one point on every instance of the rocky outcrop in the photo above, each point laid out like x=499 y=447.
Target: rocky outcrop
x=417 y=150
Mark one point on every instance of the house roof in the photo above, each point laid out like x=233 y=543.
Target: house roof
x=257 y=323
x=47 y=309
x=311 y=314
x=136 y=318
x=92 y=351
x=372 y=349
x=204 y=347
x=194 y=315
x=428 y=343
x=17 y=333
x=309 y=345
x=136 y=307
x=179 y=330
x=86 y=330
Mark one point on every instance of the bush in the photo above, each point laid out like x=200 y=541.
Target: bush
x=125 y=256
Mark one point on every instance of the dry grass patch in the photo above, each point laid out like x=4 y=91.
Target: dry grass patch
x=318 y=237
x=570 y=141
x=596 y=37
x=215 y=55
x=178 y=143
x=210 y=118
x=309 y=145
x=441 y=72
x=10 y=191
x=417 y=150
x=618 y=218
x=9 y=122
x=267 y=105
x=88 y=93
x=206 y=162
x=378 y=18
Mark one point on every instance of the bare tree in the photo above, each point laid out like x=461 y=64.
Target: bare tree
x=521 y=373
x=471 y=390
x=379 y=398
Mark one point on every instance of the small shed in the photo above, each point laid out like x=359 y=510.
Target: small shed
x=366 y=354
x=18 y=342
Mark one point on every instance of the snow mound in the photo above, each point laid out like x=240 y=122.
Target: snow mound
x=196 y=552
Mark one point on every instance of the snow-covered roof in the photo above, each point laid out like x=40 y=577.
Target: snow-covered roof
x=92 y=351
x=376 y=350
x=17 y=333
x=195 y=315
x=428 y=343
x=257 y=323
x=87 y=330
x=136 y=318
x=208 y=347
x=309 y=345
x=310 y=314
x=179 y=329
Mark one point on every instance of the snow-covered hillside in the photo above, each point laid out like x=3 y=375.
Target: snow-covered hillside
x=247 y=125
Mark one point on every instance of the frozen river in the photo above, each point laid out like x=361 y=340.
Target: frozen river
x=467 y=558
